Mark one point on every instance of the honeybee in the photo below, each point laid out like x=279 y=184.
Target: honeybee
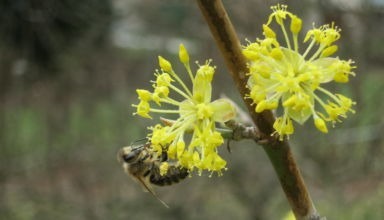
x=143 y=165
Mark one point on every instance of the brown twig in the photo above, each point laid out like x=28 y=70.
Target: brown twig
x=278 y=151
x=241 y=132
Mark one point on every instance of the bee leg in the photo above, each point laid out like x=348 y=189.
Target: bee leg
x=229 y=147
x=164 y=156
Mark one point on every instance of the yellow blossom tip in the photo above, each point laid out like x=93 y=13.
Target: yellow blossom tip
x=277 y=54
x=204 y=74
x=329 y=51
x=320 y=124
x=165 y=64
x=183 y=54
x=283 y=127
x=163 y=79
x=296 y=24
x=344 y=69
x=279 y=13
x=266 y=105
x=268 y=32
x=261 y=106
x=143 y=94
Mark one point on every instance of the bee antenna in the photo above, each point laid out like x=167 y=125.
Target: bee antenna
x=139 y=140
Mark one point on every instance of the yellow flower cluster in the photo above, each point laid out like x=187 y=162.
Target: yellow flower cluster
x=282 y=76
x=196 y=116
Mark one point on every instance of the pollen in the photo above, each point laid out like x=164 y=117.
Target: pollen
x=164 y=166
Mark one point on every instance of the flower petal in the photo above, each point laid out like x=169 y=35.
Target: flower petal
x=223 y=110
x=325 y=65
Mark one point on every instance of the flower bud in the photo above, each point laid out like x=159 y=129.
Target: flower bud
x=268 y=32
x=165 y=64
x=296 y=25
x=329 y=51
x=320 y=124
x=183 y=54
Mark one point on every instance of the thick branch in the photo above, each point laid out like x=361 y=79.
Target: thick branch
x=278 y=151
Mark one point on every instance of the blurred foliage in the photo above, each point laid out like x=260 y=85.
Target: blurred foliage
x=41 y=30
x=59 y=135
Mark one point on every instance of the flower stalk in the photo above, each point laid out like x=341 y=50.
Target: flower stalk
x=278 y=150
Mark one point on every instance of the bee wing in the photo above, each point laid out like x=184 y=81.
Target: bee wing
x=147 y=187
x=144 y=183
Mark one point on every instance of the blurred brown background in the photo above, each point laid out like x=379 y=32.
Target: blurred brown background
x=68 y=74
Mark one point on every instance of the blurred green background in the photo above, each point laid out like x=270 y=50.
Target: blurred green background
x=68 y=74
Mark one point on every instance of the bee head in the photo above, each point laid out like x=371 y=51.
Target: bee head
x=128 y=154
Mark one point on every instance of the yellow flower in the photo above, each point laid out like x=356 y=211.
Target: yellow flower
x=196 y=114
x=282 y=74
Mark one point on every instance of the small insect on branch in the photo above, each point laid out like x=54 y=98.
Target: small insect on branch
x=238 y=132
